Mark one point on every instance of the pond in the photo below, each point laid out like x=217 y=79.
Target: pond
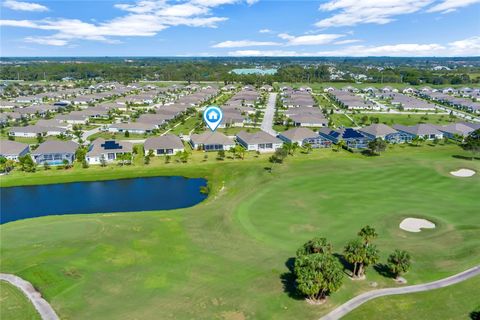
x=124 y=195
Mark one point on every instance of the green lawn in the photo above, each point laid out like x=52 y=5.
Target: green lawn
x=190 y=124
x=391 y=119
x=454 y=302
x=14 y=304
x=234 y=130
x=227 y=257
x=117 y=136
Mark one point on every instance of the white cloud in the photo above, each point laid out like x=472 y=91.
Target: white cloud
x=348 y=41
x=353 y=12
x=317 y=39
x=24 y=6
x=266 y=53
x=447 y=6
x=265 y=31
x=47 y=41
x=244 y=43
x=465 y=47
x=145 y=18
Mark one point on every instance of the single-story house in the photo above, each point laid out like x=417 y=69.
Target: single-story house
x=386 y=133
x=258 y=141
x=353 y=138
x=107 y=150
x=423 y=130
x=33 y=131
x=73 y=118
x=456 y=129
x=168 y=144
x=302 y=136
x=53 y=152
x=12 y=150
x=132 y=127
x=309 y=120
x=211 y=141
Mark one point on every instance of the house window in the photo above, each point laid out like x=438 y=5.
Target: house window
x=111 y=156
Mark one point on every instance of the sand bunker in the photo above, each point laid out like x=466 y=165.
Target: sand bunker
x=464 y=173
x=415 y=225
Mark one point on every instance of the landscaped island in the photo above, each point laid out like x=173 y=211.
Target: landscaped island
x=230 y=257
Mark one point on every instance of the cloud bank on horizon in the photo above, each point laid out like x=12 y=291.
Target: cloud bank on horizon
x=243 y=28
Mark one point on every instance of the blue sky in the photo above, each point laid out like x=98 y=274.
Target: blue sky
x=240 y=28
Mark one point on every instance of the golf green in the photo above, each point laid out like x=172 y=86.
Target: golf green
x=228 y=257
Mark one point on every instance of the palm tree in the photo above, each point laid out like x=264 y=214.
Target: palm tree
x=353 y=253
x=367 y=233
x=295 y=147
x=341 y=144
x=399 y=262
x=308 y=147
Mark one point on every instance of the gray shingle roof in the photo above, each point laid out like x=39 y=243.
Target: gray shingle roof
x=98 y=147
x=299 y=134
x=419 y=129
x=168 y=141
x=209 y=137
x=8 y=147
x=378 y=130
x=53 y=146
x=257 y=137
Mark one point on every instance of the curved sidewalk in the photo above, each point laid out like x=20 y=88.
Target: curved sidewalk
x=41 y=305
x=367 y=296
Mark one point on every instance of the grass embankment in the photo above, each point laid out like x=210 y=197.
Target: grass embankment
x=392 y=119
x=228 y=257
x=452 y=302
x=15 y=304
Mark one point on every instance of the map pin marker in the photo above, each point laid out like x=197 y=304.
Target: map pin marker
x=213 y=116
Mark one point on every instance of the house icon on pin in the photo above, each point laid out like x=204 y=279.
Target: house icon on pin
x=213 y=115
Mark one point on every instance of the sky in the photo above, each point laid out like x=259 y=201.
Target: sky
x=240 y=28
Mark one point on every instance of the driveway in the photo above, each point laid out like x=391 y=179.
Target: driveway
x=267 y=123
x=367 y=296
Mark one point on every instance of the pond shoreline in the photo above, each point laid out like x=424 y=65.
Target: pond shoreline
x=101 y=197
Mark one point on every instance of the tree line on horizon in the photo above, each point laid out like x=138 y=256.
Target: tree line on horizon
x=212 y=70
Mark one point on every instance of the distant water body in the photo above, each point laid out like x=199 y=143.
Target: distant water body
x=255 y=71
x=124 y=195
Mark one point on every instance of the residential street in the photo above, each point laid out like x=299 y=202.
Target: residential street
x=267 y=123
x=361 y=299
x=88 y=133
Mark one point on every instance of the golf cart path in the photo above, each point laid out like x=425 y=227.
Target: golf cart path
x=41 y=305
x=367 y=296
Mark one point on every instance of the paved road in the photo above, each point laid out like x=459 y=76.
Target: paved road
x=361 y=299
x=267 y=123
x=43 y=307
x=88 y=133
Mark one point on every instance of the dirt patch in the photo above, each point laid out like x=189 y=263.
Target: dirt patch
x=233 y=315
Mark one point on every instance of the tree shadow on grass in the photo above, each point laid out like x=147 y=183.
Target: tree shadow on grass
x=288 y=281
x=347 y=266
x=475 y=315
x=470 y=158
x=383 y=270
x=369 y=153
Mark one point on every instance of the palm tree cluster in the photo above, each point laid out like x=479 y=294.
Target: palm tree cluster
x=317 y=271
